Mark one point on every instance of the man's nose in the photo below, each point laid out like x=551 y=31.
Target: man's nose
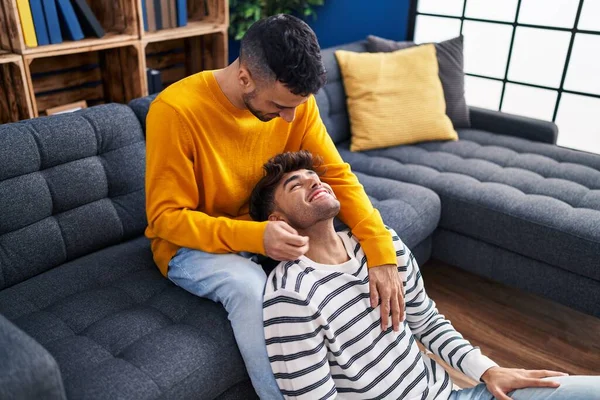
x=314 y=181
x=288 y=115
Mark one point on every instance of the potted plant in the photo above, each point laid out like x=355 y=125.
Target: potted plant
x=243 y=13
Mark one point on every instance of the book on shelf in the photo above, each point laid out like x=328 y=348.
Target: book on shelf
x=27 y=23
x=52 y=21
x=172 y=14
x=150 y=11
x=158 y=14
x=39 y=22
x=145 y=15
x=68 y=20
x=89 y=22
x=164 y=13
x=181 y=12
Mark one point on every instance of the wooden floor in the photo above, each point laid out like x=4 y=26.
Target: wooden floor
x=514 y=328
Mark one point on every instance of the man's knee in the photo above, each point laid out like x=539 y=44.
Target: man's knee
x=243 y=279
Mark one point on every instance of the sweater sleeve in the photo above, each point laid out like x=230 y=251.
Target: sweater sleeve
x=296 y=346
x=173 y=195
x=430 y=327
x=356 y=211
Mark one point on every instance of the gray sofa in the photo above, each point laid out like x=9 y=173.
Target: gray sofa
x=516 y=208
x=84 y=313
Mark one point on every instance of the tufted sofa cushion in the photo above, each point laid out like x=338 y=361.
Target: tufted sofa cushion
x=69 y=185
x=119 y=330
x=535 y=199
x=412 y=211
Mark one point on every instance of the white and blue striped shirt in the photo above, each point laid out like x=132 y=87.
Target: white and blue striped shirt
x=325 y=341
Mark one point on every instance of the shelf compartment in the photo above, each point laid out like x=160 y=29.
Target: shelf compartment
x=103 y=74
x=179 y=58
x=118 y=18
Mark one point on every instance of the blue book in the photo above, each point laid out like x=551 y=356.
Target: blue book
x=145 y=15
x=181 y=12
x=39 y=22
x=158 y=12
x=69 y=22
x=87 y=19
x=52 y=21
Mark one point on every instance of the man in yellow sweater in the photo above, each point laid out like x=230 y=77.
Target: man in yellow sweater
x=208 y=137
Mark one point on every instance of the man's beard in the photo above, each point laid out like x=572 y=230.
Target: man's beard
x=247 y=99
x=318 y=215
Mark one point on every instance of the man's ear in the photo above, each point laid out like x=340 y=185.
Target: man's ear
x=245 y=80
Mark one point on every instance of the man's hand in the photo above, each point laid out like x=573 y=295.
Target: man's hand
x=385 y=284
x=282 y=242
x=500 y=381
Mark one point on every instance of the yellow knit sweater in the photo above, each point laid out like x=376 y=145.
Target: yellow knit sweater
x=203 y=158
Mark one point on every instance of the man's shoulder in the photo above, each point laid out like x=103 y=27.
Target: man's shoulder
x=283 y=275
x=297 y=277
x=186 y=94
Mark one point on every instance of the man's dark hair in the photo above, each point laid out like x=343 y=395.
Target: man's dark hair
x=284 y=48
x=262 y=199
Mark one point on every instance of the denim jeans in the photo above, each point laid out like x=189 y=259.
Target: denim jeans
x=237 y=282
x=571 y=388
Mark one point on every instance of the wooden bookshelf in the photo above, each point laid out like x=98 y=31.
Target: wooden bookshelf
x=14 y=101
x=111 y=68
x=103 y=73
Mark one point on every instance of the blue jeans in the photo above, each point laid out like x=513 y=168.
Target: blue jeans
x=237 y=282
x=571 y=388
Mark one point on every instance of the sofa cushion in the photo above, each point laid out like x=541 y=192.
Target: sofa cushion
x=412 y=211
x=331 y=99
x=449 y=54
x=70 y=184
x=394 y=98
x=535 y=199
x=119 y=330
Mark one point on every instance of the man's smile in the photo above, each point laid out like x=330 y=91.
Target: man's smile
x=318 y=193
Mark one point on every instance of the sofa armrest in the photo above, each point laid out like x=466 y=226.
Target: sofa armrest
x=513 y=125
x=27 y=370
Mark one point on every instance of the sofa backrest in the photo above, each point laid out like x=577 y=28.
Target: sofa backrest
x=70 y=184
x=332 y=98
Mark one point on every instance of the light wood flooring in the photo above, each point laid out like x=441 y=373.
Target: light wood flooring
x=512 y=327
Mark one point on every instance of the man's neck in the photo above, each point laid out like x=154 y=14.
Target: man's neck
x=325 y=246
x=227 y=79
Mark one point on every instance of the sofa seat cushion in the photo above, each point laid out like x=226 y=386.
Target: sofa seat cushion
x=412 y=211
x=119 y=330
x=538 y=200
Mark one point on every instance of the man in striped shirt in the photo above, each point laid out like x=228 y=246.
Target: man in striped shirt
x=323 y=332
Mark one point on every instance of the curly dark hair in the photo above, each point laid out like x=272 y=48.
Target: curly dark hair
x=284 y=48
x=262 y=199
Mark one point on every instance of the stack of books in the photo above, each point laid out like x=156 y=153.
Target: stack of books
x=164 y=14
x=49 y=21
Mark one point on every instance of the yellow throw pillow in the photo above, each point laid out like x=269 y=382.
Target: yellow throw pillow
x=394 y=98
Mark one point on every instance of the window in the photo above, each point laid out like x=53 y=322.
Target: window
x=537 y=58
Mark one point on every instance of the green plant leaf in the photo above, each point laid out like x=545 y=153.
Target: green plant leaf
x=243 y=13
